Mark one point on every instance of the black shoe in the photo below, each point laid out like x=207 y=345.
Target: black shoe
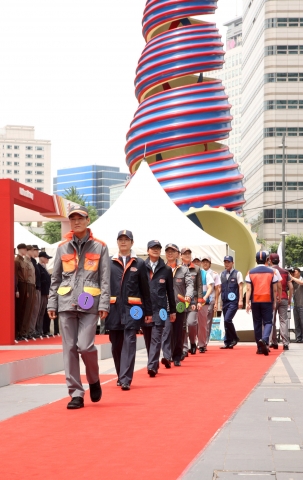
x=233 y=344
x=275 y=346
x=258 y=352
x=202 y=349
x=119 y=383
x=177 y=363
x=166 y=362
x=285 y=347
x=125 y=386
x=151 y=373
x=193 y=348
x=263 y=347
x=95 y=391
x=183 y=356
x=76 y=402
x=225 y=347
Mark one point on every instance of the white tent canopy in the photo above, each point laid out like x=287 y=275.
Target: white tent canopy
x=146 y=210
x=22 y=235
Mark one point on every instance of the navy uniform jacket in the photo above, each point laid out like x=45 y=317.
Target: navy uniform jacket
x=161 y=290
x=129 y=287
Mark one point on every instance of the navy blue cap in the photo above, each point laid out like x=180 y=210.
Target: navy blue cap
x=261 y=256
x=228 y=258
x=127 y=233
x=173 y=246
x=153 y=243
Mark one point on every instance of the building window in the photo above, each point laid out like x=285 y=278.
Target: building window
x=270 y=159
x=28 y=180
x=9 y=147
x=283 y=50
x=39 y=172
x=16 y=147
x=16 y=155
x=40 y=189
x=39 y=148
x=16 y=179
x=292 y=215
x=28 y=172
x=16 y=164
x=8 y=171
x=277 y=186
x=28 y=155
x=28 y=164
x=28 y=147
x=8 y=163
x=16 y=172
x=39 y=164
x=283 y=22
x=39 y=156
x=9 y=155
x=39 y=180
x=279 y=131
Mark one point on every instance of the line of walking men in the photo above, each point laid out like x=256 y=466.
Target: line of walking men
x=32 y=284
x=162 y=298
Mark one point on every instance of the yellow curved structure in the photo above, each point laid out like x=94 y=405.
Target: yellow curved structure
x=230 y=228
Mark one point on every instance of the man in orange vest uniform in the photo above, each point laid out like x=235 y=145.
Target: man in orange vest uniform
x=261 y=291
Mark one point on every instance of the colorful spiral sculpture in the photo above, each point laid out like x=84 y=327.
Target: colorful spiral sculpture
x=182 y=114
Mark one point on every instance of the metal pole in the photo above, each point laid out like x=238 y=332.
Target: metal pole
x=283 y=201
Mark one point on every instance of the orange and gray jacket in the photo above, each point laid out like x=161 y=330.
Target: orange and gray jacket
x=183 y=282
x=74 y=274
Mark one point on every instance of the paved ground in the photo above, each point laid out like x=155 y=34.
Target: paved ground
x=20 y=398
x=264 y=438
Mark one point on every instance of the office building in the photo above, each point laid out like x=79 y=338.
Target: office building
x=115 y=192
x=91 y=181
x=25 y=159
x=272 y=105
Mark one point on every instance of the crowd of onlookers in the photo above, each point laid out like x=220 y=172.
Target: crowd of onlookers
x=32 y=284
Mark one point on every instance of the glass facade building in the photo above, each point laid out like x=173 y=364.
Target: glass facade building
x=91 y=181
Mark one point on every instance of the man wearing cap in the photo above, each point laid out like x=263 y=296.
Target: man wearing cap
x=214 y=296
x=232 y=299
x=130 y=306
x=21 y=289
x=198 y=261
x=202 y=329
x=261 y=290
x=37 y=297
x=172 y=340
x=45 y=281
x=190 y=326
x=160 y=279
x=80 y=292
x=31 y=293
x=282 y=305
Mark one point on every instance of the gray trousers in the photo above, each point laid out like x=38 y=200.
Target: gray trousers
x=298 y=319
x=43 y=304
x=35 y=313
x=202 y=326
x=78 y=330
x=192 y=329
x=152 y=337
x=166 y=339
x=283 y=319
x=210 y=316
x=124 y=343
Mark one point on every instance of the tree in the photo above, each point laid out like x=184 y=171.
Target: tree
x=294 y=250
x=53 y=229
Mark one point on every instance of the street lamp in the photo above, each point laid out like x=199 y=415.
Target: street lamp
x=283 y=233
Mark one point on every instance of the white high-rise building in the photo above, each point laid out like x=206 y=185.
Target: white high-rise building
x=25 y=159
x=272 y=105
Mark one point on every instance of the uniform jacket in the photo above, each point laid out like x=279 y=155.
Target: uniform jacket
x=228 y=286
x=129 y=287
x=37 y=273
x=161 y=290
x=45 y=280
x=20 y=271
x=195 y=273
x=261 y=279
x=183 y=283
x=31 y=274
x=73 y=275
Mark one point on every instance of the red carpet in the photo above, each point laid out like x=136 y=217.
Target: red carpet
x=7 y=356
x=151 y=432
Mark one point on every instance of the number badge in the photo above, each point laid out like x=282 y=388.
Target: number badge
x=136 y=312
x=85 y=301
x=163 y=314
x=180 y=307
x=231 y=296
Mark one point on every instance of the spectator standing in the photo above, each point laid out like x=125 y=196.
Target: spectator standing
x=298 y=304
x=37 y=296
x=45 y=282
x=31 y=292
x=282 y=305
x=21 y=289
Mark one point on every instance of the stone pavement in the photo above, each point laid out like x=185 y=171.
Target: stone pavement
x=264 y=437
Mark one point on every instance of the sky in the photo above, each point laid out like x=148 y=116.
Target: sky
x=68 y=68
